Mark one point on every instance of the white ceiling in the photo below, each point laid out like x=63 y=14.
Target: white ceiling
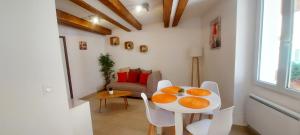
x=154 y=14
x=195 y=8
x=198 y=7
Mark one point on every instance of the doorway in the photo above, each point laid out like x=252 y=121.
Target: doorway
x=65 y=59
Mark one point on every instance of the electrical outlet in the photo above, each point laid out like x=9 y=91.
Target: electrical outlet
x=46 y=90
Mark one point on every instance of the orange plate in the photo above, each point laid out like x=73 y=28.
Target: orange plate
x=163 y=98
x=170 y=90
x=194 y=102
x=198 y=92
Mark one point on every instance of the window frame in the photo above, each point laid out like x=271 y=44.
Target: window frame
x=284 y=52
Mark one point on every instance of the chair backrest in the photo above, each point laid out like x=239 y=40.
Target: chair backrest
x=221 y=122
x=213 y=86
x=163 y=83
x=148 y=108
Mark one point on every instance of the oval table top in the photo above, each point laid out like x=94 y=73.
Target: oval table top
x=213 y=99
x=117 y=93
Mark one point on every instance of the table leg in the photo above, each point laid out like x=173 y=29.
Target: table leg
x=100 y=105
x=125 y=102
x=178 y=123
x=200 y=116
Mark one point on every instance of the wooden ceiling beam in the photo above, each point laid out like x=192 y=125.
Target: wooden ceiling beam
x=117 y=7
x=73 y=21
x=179 y=11
x=167 y=5
x=95 y=11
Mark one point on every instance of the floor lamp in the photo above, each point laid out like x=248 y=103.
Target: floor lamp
x=195 y=53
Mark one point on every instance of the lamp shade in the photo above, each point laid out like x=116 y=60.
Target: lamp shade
x=196 y=52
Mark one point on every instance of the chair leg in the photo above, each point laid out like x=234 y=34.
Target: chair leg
x=200 y=116
x=192 y=117
x=151 y=130
x=100 y=105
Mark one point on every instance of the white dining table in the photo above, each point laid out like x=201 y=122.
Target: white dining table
x=179 y=110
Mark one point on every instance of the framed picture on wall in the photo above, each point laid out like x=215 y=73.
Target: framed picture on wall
x=143 y=48
x=128 y=45
x=82 y=45
x=215 y=33
x=114 y=41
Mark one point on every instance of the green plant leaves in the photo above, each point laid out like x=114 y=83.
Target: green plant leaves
x=107 y=65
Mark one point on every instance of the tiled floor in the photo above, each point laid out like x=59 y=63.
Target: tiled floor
x=115 y=120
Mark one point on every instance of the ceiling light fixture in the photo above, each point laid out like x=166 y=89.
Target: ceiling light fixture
x=95 y=20
x=144 y=6
x=138 y=8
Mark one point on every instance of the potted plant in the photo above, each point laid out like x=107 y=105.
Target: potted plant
x=110 y=91
x=106 y=65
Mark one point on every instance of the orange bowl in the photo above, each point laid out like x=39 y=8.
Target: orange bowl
x=194 y=102
x=163 y=98
x=198 y=92
x=170 y=90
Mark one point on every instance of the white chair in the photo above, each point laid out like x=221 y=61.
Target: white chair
x=157 y=117
x=163 y=84
x=219 y=125
x=213 y=86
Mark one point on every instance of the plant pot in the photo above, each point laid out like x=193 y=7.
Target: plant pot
x=111 y=92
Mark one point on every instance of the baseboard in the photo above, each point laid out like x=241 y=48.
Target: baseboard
x=252 y=131
x=248 y=128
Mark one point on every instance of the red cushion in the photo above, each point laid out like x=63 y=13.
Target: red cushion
x=133 y=76
x=122 y=76
x=144 y=78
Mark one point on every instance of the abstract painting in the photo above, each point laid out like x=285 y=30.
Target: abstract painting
x=215 y=33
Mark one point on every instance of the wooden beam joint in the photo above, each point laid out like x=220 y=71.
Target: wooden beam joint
x=117 y=7
x=73 y=21
x=179 y=11
x=95 y=11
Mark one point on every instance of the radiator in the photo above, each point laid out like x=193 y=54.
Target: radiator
x=268 y=118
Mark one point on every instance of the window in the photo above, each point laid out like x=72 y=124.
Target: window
x=271 y=33
x=294 y=73
x=279 y=45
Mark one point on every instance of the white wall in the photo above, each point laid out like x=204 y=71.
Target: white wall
x=81 y=119
x=244 y=62
x=281 y=99
x=168 y=49
x=84 y=69
x=232 y=66
x=30 y=60
x=218 y=64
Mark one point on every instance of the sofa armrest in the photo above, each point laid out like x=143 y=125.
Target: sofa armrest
x=152 y=81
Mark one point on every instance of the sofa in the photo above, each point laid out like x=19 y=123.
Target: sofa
x=137 y=88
